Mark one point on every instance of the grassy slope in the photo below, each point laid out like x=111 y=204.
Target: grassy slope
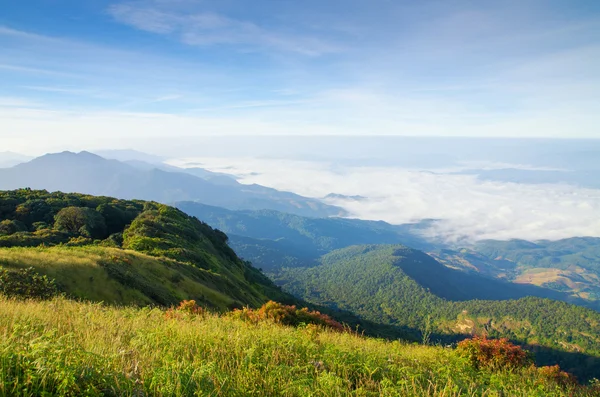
x=369 y=281
x=63 y=347
x=119 y=276
x=167 y=254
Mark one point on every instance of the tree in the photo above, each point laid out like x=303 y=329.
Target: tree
x=8 y=227
x=81 y=220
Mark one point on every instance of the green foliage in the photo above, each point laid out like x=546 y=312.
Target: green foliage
x=8 y=227
x=33 y=239
x=272 y=239
x=191 y=260
x=66 y=348
x=81 y=220
x=26 y=283
x=71 y=214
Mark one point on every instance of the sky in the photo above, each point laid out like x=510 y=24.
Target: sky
x=104 y=74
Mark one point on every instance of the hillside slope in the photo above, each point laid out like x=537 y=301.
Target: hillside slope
x=569 y=265
x=273 y=240
x=126 y=251
x=375 y=283
x=255 y=235
x=63 y=347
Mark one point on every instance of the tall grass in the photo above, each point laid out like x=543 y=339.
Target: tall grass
x=85 y=273
x=66 y=348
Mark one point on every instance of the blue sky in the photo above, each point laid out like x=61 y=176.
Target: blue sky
x=97 y=74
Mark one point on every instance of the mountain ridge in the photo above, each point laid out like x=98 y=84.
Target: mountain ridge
x=88 y=173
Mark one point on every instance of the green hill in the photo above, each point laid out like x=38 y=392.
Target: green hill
x=126 y=252
x=387 y=284
x=66 y=348
x=570 y=265
x=563 y=270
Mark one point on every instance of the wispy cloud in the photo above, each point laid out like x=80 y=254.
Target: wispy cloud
x=27 y=69
x=60 y=90
x=207 y=29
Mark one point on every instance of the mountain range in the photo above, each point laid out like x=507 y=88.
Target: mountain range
x=89 y=173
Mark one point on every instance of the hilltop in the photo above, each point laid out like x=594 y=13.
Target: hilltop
x=126 y=252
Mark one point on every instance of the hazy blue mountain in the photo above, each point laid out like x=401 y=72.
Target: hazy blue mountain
x=89 y=173
x=10 y=159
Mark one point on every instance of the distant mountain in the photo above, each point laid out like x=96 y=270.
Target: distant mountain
x=10 y=159
x=570 y=265
x=336 y=196
x=272 y=239
x=396 y=285
x=89 y=173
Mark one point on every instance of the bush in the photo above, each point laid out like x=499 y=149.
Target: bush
x=555 y=375
x=26 y=283
x=495 y=354
x=286 y=315
x=187 y=308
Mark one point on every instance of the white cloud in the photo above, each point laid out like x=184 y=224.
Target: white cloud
x=207 y=28
x=466 y=207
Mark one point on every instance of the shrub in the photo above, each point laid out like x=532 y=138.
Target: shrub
x=186 y=308
x=493 y=354
x=555 y=375
x=26 y=283
x=286 y=315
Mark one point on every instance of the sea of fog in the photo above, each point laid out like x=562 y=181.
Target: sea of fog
x=475 y=189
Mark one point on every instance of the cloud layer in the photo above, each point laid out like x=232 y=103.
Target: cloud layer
x=468 y=209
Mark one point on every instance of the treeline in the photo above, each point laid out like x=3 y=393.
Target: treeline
x=37 y=217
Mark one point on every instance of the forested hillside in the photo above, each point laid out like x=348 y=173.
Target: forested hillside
x=570 y=265
x=118 y=251
x=273 y=240
x=379 y=283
